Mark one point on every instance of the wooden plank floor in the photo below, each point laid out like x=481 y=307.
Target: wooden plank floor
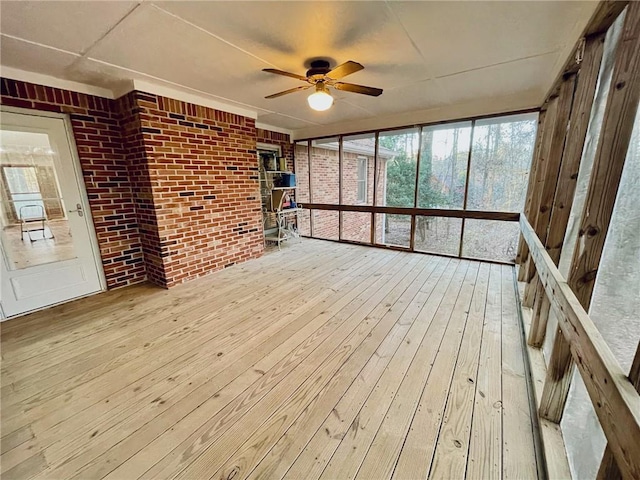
x=322 y=361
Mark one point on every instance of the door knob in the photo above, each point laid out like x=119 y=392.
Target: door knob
x=78 y=209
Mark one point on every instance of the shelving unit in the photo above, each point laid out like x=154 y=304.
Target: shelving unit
x=279 y=222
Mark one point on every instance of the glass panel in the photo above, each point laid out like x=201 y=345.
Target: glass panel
x=301 y=155
x=326 y=224
x=438 y=235
x=444 y=154
x=35 y=229
x=357 y=169
x=324 y=172
x=397 y=163
x=304 y=223
x=500 y=161
x=490 y=240
x=393 y=229
x=356 y=226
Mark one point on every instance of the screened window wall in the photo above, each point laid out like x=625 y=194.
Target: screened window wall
x=452 y=189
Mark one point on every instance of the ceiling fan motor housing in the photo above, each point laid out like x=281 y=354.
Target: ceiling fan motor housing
x=319 y=68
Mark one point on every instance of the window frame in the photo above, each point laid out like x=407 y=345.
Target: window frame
x=364 y=181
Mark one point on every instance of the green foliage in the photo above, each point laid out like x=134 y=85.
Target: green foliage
x=401 y=173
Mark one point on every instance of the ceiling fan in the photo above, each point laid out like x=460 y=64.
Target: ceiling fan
x=321 y=76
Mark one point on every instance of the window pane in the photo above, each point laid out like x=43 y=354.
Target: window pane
x=21 y=180
x=490 y=239
x=397 y=163
x=301 y=154
x=356 y=226
x=357 y=169
x=393 y=229
x=500 y=161
x=438 y=235
x=324 y=171
x=35 y=229
x=325 y=224
x=444 y=153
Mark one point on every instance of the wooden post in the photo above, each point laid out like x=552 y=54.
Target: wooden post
x=523 y=250
x=375 y=187
x=566 y=187
x=609 y=469
x=340 y=160
x=580 y=116
x=412 y=231
x=613 y=143
x=615 y=400
x=546 y=187
x=527 y=268
x=541 y=209
x=465 y=198
x=309 y=144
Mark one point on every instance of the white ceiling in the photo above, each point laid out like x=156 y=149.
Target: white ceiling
x=434 y=60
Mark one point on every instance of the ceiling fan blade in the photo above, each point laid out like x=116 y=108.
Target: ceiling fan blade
x=347 y=68
x=286 y=74
x=352 y=87
x=291 y=90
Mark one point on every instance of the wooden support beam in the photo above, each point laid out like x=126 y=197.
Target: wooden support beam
x=412 y=230
x=541 y=208
x=555 y=453
x=616 y=402
x=613 y=144
x=566 y=186
x=554 y=160
x=309 y=164
x=608 y=467
x=375 y=187
x=529 y=297
x=536 y=182
x=572 y=156
x=523 y=251
x=538 y=319
x=430 y=212
x=606 y=13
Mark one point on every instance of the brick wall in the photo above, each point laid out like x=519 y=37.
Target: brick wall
x=96 y=129
x=142 y=186
x=201 y=187
x=173 y=187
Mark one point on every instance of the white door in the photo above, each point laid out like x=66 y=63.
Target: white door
x=49 y=251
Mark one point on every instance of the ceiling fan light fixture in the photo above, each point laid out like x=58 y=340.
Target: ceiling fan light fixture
x=321 y=99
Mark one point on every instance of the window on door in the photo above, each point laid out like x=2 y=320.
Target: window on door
x=24 y=191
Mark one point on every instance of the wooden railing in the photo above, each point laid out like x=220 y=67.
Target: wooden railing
x=614 y=397
x=413 y=213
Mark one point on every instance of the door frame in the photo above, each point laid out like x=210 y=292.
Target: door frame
x=84 y=198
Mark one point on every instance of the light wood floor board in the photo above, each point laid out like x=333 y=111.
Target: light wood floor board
x=322 y=360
